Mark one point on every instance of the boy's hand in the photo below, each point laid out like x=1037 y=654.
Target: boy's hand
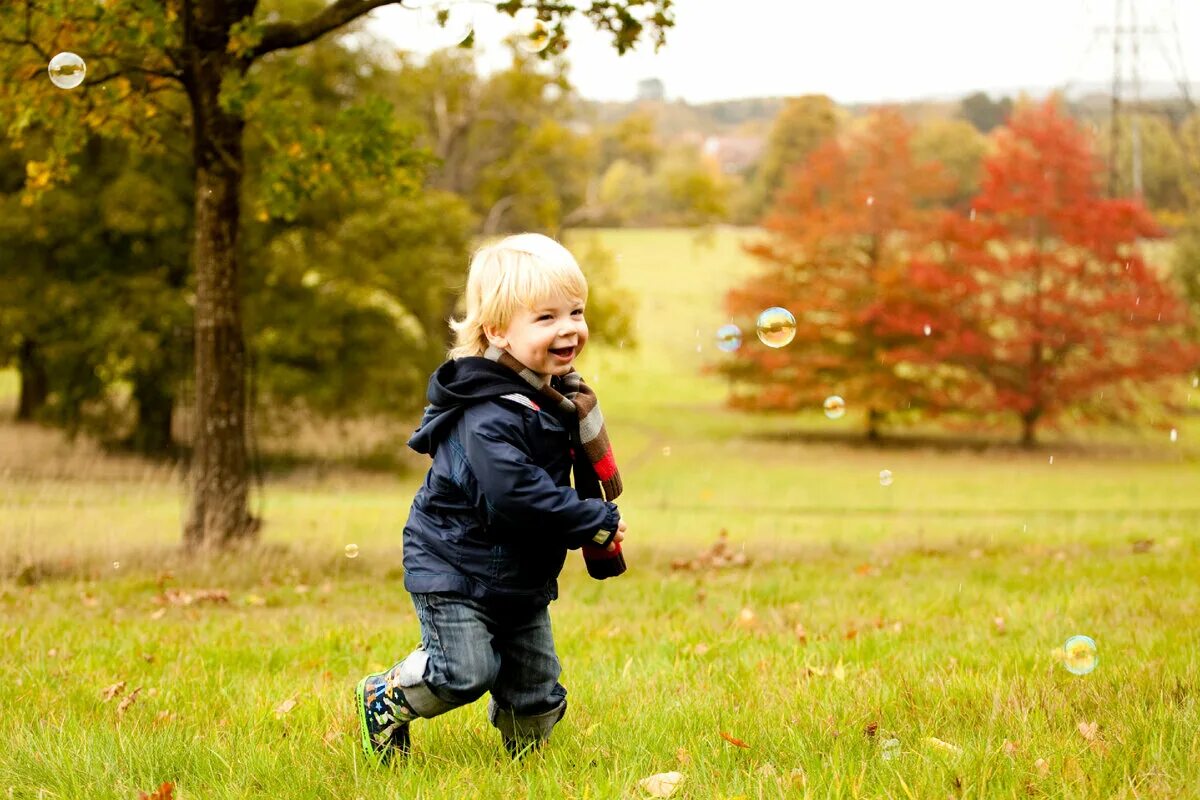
x=619 y=535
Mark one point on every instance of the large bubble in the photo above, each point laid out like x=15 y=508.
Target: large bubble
x=67 y=70
x=776 y=327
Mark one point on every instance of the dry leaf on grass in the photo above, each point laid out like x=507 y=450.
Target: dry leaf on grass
x=1011 y=747
x=661 y=785
x=683 y=756
x=839 y=671
x=286 y=705
x=128 y=701
x=1042 y=766
x=164 y=792
x=998 y=622
x=871 y=728
x=88 y=599
x=164 y=717
x=112 y=691
x=1088 y=730
x=801 y=633
x=733 y=741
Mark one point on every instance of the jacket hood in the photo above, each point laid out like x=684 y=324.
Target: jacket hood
x=457 y=384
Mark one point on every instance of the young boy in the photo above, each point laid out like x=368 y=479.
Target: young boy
x=508 y=421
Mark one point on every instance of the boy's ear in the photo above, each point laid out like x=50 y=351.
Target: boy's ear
x=495 y=337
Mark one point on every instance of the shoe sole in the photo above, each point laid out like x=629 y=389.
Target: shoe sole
x=361 y=707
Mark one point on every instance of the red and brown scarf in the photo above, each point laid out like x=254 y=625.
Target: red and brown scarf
x=595 y=469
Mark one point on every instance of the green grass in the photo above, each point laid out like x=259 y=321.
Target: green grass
x=898 y=590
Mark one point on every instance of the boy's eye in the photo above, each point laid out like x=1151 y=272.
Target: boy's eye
x=578 y=312
x=544 y=317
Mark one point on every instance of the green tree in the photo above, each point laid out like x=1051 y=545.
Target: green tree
x=195 y=58
x=983 y=112
x=802 y=125
x=959 y=147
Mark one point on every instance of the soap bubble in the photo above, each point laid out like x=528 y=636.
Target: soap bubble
x=447 y=24
x=885 y=477
x=890 y=749
x=835 y=407
x=351 y=551
x=776 y=327
x=67 y=70
x=729 y=338
x=535 y=37
x=116 y=565
x=1079 y=655
x=928 y=330
x=1174 y=435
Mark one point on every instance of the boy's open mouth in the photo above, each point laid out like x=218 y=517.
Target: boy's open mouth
x=563 y=353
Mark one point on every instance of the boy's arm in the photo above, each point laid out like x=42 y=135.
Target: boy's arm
x=522 y=492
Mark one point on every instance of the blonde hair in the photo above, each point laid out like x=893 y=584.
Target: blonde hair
x=517 y=272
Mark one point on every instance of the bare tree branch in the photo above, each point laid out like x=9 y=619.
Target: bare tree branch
x=286 y=35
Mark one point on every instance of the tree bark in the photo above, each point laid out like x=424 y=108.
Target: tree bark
x=35 y=383
x=1029 y=421
x=219 y=514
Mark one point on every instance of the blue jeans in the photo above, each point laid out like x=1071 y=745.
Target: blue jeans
x=470 y=648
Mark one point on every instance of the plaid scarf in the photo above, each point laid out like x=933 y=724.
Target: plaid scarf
x=595 y=469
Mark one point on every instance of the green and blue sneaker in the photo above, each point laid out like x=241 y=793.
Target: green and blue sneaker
x=383 y=715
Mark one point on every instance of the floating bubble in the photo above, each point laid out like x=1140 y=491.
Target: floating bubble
x=885 y=477
x=835 y=407
x=116 y=565
x=535 y=38
x=776 y=327
x=1079 y=655
x=871 y=200
x=67 y=70
x=928 y=330
x=351 y=551
x=1174 y=435
x=1051 y=459
x=890 y=749
x=729 y=338
x=667 y=450
x=447 y=24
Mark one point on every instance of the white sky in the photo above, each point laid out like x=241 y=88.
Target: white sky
x=859 y=50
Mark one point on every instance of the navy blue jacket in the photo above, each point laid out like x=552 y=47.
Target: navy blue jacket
x=496 y=514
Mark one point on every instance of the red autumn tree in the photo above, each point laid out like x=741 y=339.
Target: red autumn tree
x=840 y=239
x=1078 y=321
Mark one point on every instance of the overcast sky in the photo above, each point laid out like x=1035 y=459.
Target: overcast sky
x=861 y=50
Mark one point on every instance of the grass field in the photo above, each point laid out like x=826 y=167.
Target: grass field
x=931 y=612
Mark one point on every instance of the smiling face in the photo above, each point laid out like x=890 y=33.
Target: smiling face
x=547 y=338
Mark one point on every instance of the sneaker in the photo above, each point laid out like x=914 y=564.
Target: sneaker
x=383 y=716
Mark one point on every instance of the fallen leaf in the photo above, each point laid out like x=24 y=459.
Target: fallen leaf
x=114 y=690
x=944 y=746
x=1088 y=730
x=871 y=728
x=1011 y=748
x=148 y=658
x=1042 y=766
x=128 y=701
x=839 y=671
x=801 y=633
x=733 y=741
x=164 y=792
x=700 y=649
x=998 y=622
x=798 y=777
x=662 y=784
x=159 y=614
x=331 y=736
x=818 y=671
x=1143 y=545
x=286 y=706
x=851 y=633
x=88 y=600
x=163 y=717
x=683 y=756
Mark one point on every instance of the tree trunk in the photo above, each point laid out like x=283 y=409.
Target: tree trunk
x=874 y=420
x=219 y=477
x=1029 y=421
x=156 y=405
x=35 y=384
